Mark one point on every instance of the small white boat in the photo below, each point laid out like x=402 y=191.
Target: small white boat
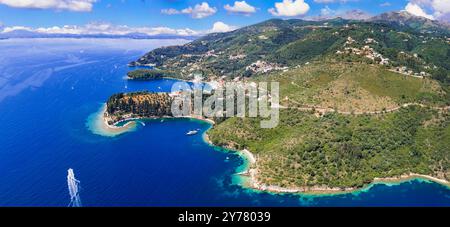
x=193 y=132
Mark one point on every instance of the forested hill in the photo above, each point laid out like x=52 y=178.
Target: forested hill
x=398 y=41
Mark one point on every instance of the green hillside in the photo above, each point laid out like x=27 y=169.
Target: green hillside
x=359 y=99
x=280 y=44
x=342 y=150
x=354 y=87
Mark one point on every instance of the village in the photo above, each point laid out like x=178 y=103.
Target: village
x=369 y=52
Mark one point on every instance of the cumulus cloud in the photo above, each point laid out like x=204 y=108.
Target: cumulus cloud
x=71 y=5
x=290 y=8
x=240 y=8
x=199 y=11
x=102 y=28
x=440 y=8
x=415 y=9
x=98 y=28
x=219 y=26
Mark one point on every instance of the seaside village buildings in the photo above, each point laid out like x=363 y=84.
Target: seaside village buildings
x=365 y=51
x=264 y=67
x=368 y=52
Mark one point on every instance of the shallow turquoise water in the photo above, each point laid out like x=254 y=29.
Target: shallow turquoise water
x=48 y=90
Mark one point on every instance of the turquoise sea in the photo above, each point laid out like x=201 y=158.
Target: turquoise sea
x=49 y=91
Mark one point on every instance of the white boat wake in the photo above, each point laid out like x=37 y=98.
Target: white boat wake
x=74 y=188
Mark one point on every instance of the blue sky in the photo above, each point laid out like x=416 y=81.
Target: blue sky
x=182 y=14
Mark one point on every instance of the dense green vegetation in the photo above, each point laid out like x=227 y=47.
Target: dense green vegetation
x=138 y=104
x=354 y=87
x=342 y=150
x=148 y=74
x=416 y=43
x=316 y=65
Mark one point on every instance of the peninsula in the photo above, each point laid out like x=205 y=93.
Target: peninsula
x=148 y=74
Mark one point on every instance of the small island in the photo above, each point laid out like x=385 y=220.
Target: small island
x=148 y=74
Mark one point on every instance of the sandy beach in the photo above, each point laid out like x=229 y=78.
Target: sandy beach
x=98 y=124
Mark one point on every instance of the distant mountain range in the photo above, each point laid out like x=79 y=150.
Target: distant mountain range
x=397 y=40
x=401 y=18
x=355 y=14
x=32 y=34
x=404 y=18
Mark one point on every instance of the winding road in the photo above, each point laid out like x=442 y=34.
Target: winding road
x=324 y=110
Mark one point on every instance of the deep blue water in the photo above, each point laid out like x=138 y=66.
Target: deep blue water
x=48 y=90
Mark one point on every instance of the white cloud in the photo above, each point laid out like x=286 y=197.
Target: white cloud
x=440 y=8
x=105 y=29
x=385 y=4
x=290 y=8
x=219 y=26
x=97 y=28
x=14 y=28
x=415 y=9
x=240 y=8
x=198 y=12
x=71 y=5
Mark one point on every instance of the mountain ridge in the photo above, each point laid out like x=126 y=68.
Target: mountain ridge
x=408 y=19
x=418 y=44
